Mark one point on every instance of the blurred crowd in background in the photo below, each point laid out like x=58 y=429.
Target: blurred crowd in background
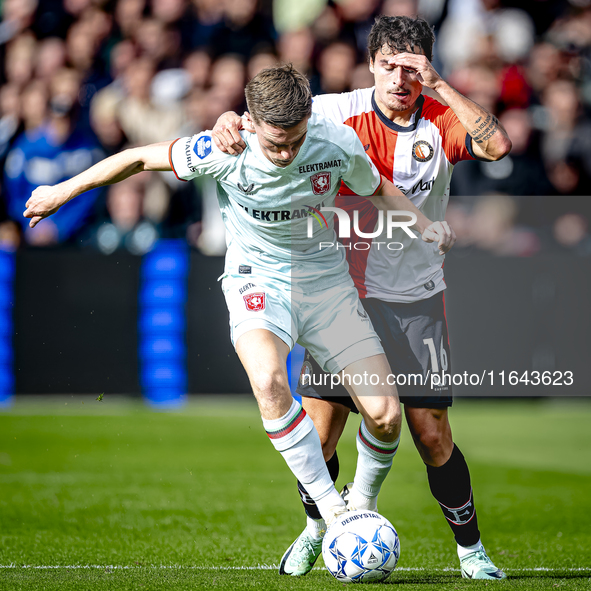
x=83 y=79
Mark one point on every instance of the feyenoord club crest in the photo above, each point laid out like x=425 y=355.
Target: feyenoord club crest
x=422 y=151
x=306 y=374
x=255 y=302
x=320 y=182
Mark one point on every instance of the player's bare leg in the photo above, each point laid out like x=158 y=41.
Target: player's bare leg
x=431 y=432
x=379 y=432
x=330 y=419
x=291 y=431
x=449 y=480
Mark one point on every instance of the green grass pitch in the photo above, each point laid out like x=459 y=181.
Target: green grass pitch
x=109 y=495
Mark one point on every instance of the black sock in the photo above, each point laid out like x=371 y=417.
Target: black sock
x=308 y=502
x=450 y=485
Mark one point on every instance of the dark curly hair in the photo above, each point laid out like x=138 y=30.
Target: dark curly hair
x=400 y=33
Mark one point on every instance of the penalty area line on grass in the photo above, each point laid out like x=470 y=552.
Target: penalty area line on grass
x=260 y=567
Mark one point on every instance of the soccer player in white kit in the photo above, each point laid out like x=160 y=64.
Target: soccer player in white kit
x=279 y=285
x=415 y=141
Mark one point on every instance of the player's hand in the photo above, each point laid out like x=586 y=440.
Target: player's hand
x=43 y=202
x=426 y=74
x=226 y=133
x=441 y=233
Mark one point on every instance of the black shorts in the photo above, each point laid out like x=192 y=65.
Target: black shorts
x=415 y=340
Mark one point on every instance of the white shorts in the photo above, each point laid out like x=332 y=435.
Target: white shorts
x=331 y=323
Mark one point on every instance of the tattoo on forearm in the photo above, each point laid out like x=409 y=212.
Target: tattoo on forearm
x=486 y=129
x=482 y=125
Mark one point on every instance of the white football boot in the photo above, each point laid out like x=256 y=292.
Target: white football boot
x=477 y=565
x=300 y=557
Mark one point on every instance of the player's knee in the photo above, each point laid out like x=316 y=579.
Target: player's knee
x=434 y=446
x=269 y=385
x=388 y=423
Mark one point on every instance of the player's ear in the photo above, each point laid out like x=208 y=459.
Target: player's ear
x=371 y=67
x=247 y=122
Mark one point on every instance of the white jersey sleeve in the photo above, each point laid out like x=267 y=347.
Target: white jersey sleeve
x=198 y=155
x=339 y=108
x=361 y=176
x=327 y=105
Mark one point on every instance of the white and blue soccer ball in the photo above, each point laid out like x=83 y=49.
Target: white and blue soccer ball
x=361 y=547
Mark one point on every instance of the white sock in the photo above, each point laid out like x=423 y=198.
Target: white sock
x=465 y=550
x=373 y=464
x=316 y=528
x=296 y=438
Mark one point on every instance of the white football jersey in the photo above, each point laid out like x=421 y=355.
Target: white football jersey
x=266 y=207
x=419 y=160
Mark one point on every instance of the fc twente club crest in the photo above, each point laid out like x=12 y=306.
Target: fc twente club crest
x=320 y=182
x=255 y=302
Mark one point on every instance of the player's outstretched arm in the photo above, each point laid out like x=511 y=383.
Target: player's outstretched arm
x=389 y=197
x=226 y=133
x=46 y=200
x=489 y=140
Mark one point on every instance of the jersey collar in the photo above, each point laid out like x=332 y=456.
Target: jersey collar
x=394 y=126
